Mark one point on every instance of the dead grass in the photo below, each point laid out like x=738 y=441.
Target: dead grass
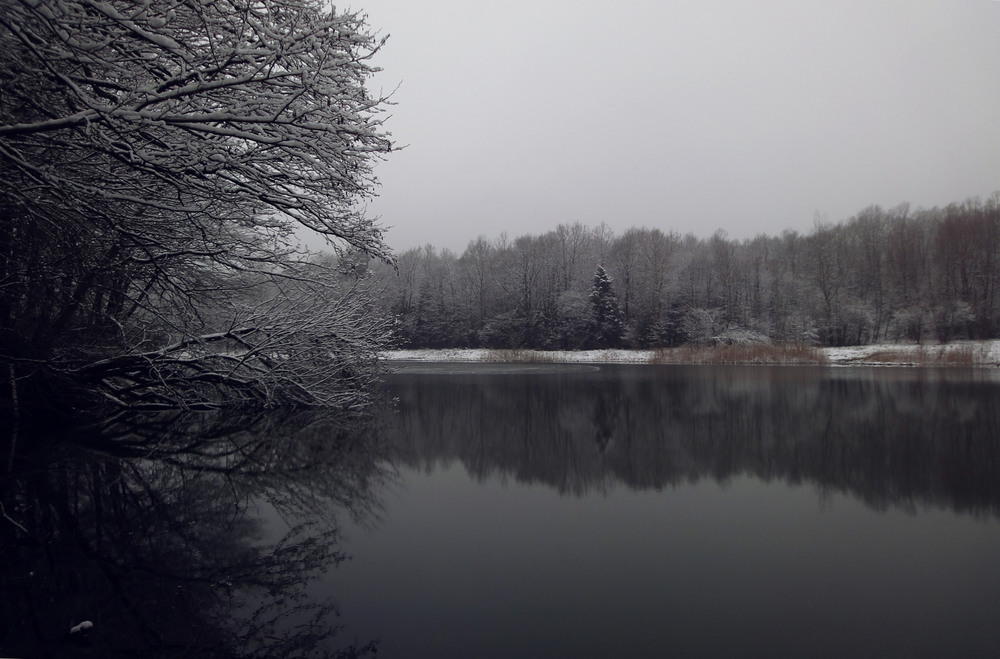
x=946 y=355
x=894 y=357
x=739 y=354
x=957 y=354
x=519 y=356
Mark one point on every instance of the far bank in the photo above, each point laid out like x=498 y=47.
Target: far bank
x=962 y=353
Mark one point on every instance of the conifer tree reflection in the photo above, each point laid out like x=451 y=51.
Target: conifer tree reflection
x=148 y=530
x=889 y=437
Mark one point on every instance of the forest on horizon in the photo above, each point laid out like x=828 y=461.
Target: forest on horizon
x=883 y=275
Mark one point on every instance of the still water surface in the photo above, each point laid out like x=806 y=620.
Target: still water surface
x=683 y=511
x=525 y=511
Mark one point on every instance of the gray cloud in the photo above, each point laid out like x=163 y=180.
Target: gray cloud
x=688 y=116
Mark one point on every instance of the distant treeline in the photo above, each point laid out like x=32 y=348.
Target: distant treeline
x=882 y=275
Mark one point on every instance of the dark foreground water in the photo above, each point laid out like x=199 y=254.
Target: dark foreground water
x=544 y=511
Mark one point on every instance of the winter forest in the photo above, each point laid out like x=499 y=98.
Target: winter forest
x=160 y=163
x=924 y=275
x=157 y=161
x=213 y=445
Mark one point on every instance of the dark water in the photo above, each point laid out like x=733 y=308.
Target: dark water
x=544 y=511
x=649 y=512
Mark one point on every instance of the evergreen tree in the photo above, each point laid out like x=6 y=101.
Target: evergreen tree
x=607 y=324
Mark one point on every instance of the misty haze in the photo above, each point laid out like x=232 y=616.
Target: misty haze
x=454 y=329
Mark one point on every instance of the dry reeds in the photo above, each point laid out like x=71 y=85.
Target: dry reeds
x=518 y=356
x=739 y=354
x=946 y=355
x=959 y=354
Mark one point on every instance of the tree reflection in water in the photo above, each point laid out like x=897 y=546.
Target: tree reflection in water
x=152 y=528
x=148 y=528
x=891 y=437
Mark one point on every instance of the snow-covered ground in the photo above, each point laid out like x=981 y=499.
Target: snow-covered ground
x=983 y=353
x=483 y=354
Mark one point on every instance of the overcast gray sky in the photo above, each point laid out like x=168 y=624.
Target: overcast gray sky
x=745 y=115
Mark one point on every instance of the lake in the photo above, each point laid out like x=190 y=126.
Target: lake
x=684 y=511
x=542 y=510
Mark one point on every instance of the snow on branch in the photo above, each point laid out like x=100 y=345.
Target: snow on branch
x=156 y=161
x=300 y=350
x=201 y=104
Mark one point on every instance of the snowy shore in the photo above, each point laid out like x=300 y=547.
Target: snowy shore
x=979 y=353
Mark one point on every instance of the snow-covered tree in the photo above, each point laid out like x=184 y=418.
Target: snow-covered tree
x=608 y=324
x=900 y=274
x=156 y=161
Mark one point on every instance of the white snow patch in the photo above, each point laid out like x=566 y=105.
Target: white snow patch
x=987 y=353
x=559 y=356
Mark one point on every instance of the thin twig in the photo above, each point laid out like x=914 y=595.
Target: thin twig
x=13 y=521
x=15 y=416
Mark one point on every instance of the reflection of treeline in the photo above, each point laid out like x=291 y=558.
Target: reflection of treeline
x=883 y=275
x=914 y=439
x=153 y=534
